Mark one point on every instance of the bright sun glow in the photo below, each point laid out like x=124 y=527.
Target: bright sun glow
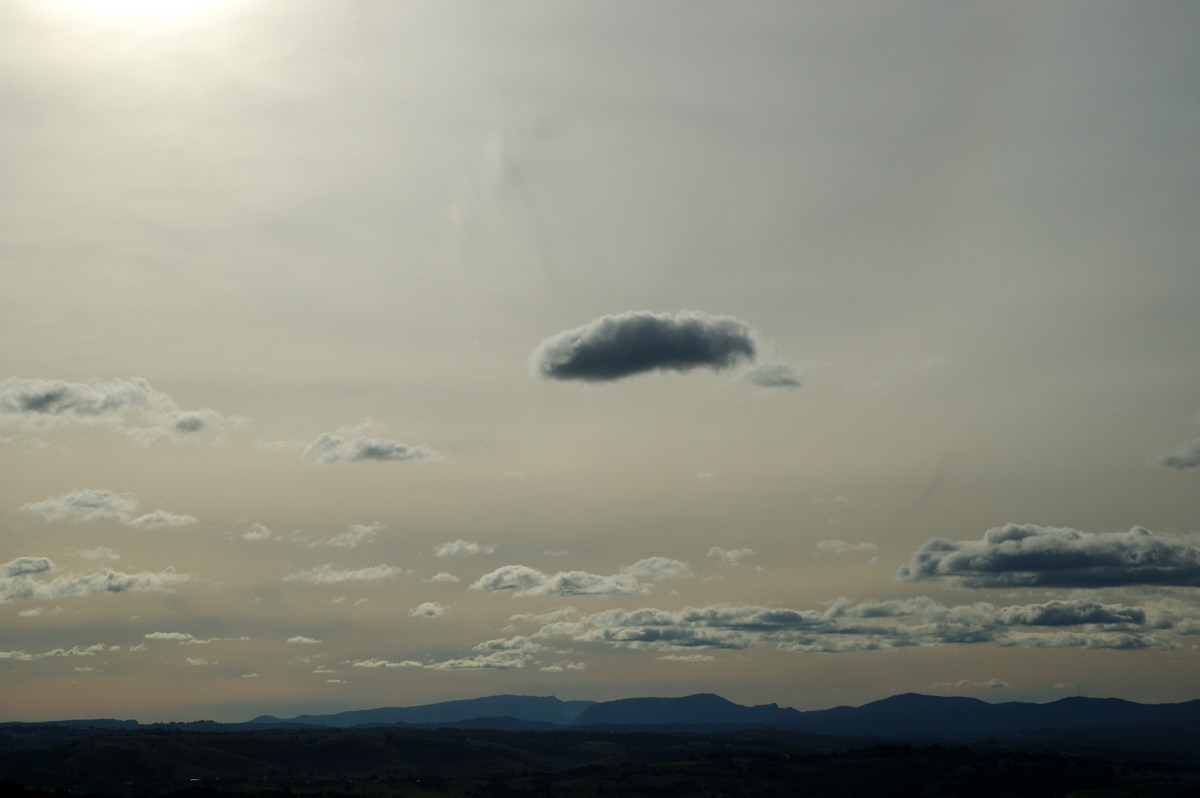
x=141 y=8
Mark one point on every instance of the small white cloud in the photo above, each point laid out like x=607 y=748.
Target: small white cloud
x=88 y=504
x=199 y=661
x=352 y=537
x=257 y=532
x=730 y=556
x=842 y=547
x=383 y=663
x=100 y=554
x=302 y=640
x=39 y=611
x=458 y=548
x=430 y=609
x=442 y=576
x=327 y=575
x=774 y=375
x=327 y=449
x=249 y=675
x=160 y=518
x=131 y=406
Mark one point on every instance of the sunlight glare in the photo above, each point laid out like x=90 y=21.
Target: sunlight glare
x=140 y=8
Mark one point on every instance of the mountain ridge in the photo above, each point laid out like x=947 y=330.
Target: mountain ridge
x=902 y=715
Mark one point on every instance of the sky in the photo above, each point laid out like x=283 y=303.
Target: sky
x=359 y=353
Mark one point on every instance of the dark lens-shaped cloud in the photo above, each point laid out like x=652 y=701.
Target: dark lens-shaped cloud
x=612 y=347
x=1027 y=555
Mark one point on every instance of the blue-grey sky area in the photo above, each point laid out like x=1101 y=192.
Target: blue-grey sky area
x=359 y=353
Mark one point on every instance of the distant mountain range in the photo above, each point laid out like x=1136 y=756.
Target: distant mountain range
x=1092 y=721
x=907 y=715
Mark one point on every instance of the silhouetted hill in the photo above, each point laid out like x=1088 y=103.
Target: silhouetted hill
x=692 y=710
x=958 y=718
x=541 y=709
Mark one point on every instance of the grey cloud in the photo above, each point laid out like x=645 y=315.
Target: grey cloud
x=130 y=405
x=430 y=609
x=499 y=654
x=329 y=448
x=528 y=581
x=843 y=547
x=1072 y=613
x=1186 y=455
x=864 y=626
x=383 y=663
x=160 y=518
x=257 y=532
x=460 y=547
x=616 y=346
x=327 y=575
x=352 y=537
x=17 y=582
x=730 y=556
x=90 y=504
x=774 y=375
x=658 y=569
x=442 y=576
x=1034 y=556
x=74 y=651
x=100 y=554
x=182 y=638
x=510 y=577
x=87 y=504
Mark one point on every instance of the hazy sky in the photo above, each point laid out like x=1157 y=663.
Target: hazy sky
x=360 y=353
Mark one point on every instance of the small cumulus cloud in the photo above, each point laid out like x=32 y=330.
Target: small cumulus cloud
x=498 y=654
x=352 y=537
x=430 y=609
x=624 y=344
x=1027 y=555
x=457 y=548
x=965 y=684
x=730 y=556
x=774 y=375
x=249 y=675
x=90 y=504
x=301 y=640
x=688 y=658
x=383 y=663
x=527 y=581
x=843 y=547
x=257 y=532
x=328 y=575
x=87 y=504
x=329 y=448
x=1182 y=457
x=442 y=576
x=37 y=612
x=131 y=406
x=17 y=581
x=161 y=518
x=182 y=638
x=74 y=651
x=100 y=554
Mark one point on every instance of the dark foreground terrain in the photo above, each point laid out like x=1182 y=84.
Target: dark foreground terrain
x=41 y=760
